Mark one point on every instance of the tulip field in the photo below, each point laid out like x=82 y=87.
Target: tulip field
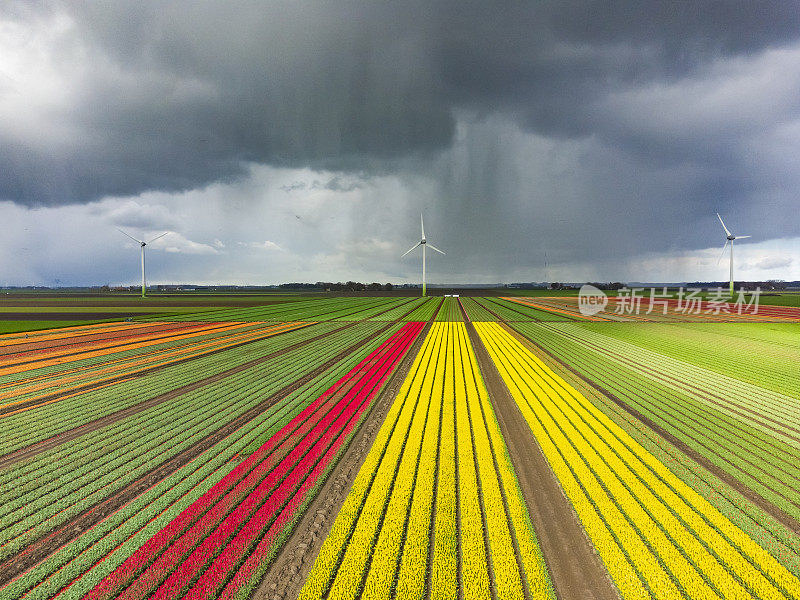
x=436 y=505
x=321 y=447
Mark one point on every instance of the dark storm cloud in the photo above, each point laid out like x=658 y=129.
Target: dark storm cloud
x=175 y=96
x=337 y=184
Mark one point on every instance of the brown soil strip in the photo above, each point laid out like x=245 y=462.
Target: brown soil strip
x=46 y=546
x=575 y=568
x=291 y=566
x=772 y=510
x=129 y=375
x=71 y=434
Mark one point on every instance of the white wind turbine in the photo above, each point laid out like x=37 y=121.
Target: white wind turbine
x=142 y=244
x=730 y=237
x=423 y=242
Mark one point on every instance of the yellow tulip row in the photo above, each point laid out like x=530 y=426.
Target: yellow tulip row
x=376 y=474
x=438 y=468
x=415 y=550
x=656 y=535
x=533 y=564
x=444 y=563
x=474 y=563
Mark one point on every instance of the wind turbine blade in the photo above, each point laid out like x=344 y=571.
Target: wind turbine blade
x=721 y=254
x=410 y=249
x=723 y=225
x=741 y=237
x=130 y=236
x=158 y=236
x=422 y=226
x=432 y=247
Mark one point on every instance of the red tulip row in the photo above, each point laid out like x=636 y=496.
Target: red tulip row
x=204 y=545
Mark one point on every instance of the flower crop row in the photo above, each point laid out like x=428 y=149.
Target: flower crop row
x=425 y=311
x=25 y=385
x=399 y=312
x=475 y=311
x=774 y=413
x=77 y=567
x=80 y=372
x=438 y=477
x=518 y=311
x=42 y=494
x=657 y=536
x=765 y=464
x=450 y=310
x=351 y=309
x=202 y=547
x=72 y=377
x=10 y=342
x=99 y=350
x=545 y=311
x=762 y=354
x=48 y=420
x=164 y=336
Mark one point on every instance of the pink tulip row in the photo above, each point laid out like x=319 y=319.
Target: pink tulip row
x=234 y=513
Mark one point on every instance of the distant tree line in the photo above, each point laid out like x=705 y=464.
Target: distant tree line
x=350 y=286
x=616 y=285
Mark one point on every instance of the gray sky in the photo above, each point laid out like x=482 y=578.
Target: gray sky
x=299 y=141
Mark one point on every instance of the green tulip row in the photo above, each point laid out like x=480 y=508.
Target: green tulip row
x=45 y=421
x=95 y=553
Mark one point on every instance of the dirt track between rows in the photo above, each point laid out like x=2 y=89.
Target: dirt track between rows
x=575 y=568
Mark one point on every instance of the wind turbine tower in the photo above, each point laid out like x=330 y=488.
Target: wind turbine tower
x=424 y=243
x=142 y=244
x=729 y=238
